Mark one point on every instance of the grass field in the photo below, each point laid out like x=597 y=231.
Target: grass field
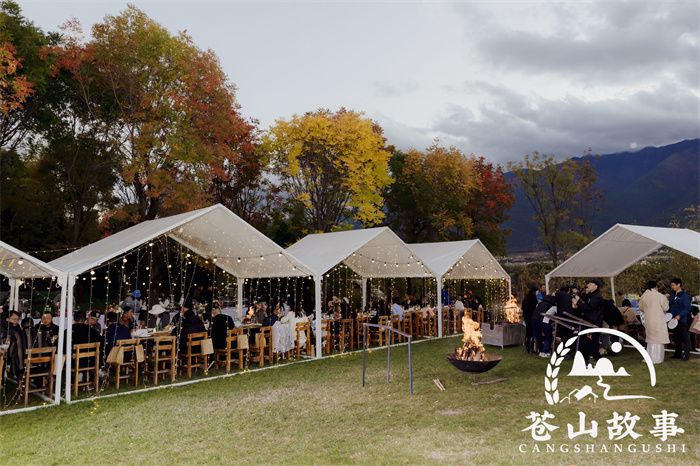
x=317 y=412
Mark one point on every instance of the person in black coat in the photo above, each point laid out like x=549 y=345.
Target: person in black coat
x=220 y=325
x=47 y=326
x=189 y=324
x=9 y=326
x=564 y=305
x=542 y=326
x=529 y=305
x=591 y=309
x=83 y=333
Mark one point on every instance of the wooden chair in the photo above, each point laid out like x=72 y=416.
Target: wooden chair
x=262 y=349
x=39 y=364
x=130 y=364
x=226 y=356
x=407 y=323
x=86 y=361
x=303 y=327
x=379 y=335
x=417 y=325
x=358 y=330
x=396 y=322
x=193 y=358
x=345 y=336
x=161 y=360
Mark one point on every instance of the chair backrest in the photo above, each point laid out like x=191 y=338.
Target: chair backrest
x=127 y=344
x=346 y=325
x=164 y=343
x=194 y=342
x=232 y=337
x=86 y=350
x=383 y=320
x=303 y=327
x=40 y=355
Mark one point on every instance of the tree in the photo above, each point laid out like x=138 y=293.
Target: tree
x=489 y=205
x=333 y=164
x=563 y=197
x=23 y=75
x=430 y=196
x=164 y=103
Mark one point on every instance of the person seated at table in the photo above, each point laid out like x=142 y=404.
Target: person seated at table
x=93 y=321
x=82 y=332
x=190 y=323
x=134 y=303
x=219 y=327
x=345 y=311
x=410 y=301
x=159 y=317
x=115 y=331
x=127 y=318
x=47 y=326
x=24 y=338
x=163 y=300
x=9 y=326
x=271 y=316
x=459 y=308
x=396 y=308
x=292 y=319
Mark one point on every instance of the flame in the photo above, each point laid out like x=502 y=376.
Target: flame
x=512 y=310
x=472 y=349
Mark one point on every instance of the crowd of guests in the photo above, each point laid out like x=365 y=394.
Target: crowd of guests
x=590 y=305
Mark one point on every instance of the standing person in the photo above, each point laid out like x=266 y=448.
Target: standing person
x=564 y=296
x=612 y=318
x=591 y=308
x=679 y=307
x=134 y=303
x=542 y=292
x=292 y=319
x=529 y=305
x=542 y=327
x=654 y=305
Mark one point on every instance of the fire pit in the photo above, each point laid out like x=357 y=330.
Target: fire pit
x=474 y=367
x=471 y=357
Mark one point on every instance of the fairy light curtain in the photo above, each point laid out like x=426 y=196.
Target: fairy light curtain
x=19 y=267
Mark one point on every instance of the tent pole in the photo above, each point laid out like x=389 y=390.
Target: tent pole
x=16 y=301
x=239 y=298
x=364 y=294
x=439 y=304
x=61 y=338
x=612 y=288
x=12 y=293
x=319 y=345
x=69 y=335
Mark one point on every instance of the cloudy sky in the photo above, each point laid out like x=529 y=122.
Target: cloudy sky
x=497 y=79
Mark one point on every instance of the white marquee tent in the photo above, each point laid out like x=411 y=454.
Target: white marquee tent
x=371 y=253
x=468 y=260
x=214 y=232
x=16 y=266
x=622 y=246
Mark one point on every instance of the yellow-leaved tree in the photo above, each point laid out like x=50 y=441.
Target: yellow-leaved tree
x=333 y=165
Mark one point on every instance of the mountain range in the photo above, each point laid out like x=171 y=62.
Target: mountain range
x=648 y=187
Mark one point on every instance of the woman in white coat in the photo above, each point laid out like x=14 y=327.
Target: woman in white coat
x=292 y=318
x=654 y=305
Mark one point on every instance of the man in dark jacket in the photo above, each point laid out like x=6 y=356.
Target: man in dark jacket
x=83 y=333
x=542 y=327
x=564 y=297
x=23 y=339
x=679 y=308
x=591 y=309
x=220 y=325
x=48 y=327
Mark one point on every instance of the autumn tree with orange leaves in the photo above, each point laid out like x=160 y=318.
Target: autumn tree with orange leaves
x=167 y=107
x=440 y=194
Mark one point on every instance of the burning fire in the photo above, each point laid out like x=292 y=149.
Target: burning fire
x=472 y=349
x=512 y=310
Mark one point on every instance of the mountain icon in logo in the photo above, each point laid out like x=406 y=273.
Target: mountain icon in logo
x=602 y=367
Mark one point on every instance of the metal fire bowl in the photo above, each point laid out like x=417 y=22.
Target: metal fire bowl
x=474 y=367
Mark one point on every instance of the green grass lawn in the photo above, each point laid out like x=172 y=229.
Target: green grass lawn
x=318 y=412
